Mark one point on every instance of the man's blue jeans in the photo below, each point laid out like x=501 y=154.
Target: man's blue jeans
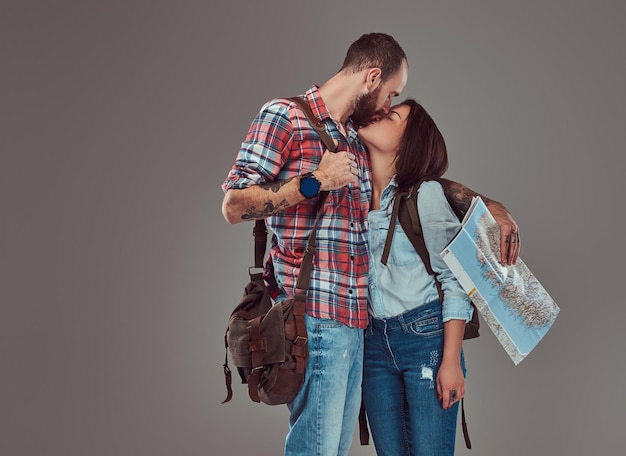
x=324 y=413
x=401 y=361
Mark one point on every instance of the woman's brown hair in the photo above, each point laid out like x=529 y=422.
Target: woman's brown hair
x=422 y=152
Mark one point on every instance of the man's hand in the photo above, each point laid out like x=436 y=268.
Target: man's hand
x=509 y=233
x=336 y=170
x=460 y=198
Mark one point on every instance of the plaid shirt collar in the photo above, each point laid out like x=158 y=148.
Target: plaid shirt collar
x=321 y=112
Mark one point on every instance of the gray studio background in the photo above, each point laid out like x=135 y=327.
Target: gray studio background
x=120 y=120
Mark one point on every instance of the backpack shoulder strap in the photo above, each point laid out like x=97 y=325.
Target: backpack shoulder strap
x=405 y=210
x=259 y=232
x=307 y=261
x=260 y=228
x=316 y=123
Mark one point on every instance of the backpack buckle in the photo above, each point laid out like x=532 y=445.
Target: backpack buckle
x=299 y=338
x=408 y=196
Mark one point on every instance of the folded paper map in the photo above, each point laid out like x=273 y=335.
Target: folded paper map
x=515 y=306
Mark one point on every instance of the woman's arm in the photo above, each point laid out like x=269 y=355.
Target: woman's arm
x=439 y=225
x=450 y=378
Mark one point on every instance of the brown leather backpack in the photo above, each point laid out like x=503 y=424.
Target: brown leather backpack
x=267 y=343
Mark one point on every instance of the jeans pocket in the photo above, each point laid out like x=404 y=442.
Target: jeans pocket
x=328 y=323
x=430 y=326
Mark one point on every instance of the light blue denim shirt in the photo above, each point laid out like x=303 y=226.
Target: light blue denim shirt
x=404 y=284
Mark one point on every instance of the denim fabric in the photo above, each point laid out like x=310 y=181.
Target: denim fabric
x=324 y=413
x=401 y=360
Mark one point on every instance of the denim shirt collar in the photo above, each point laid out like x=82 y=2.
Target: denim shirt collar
x=388 y=193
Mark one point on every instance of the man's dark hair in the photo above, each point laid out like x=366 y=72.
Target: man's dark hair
x=374 y=50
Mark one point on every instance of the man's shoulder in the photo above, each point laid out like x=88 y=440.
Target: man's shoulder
x=288 y=111
x=282 y=103
x=276 y=106
x=287 y=107
x=278 y=114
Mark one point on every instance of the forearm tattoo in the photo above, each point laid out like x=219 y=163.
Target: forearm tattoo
x=270 y=207
x=459 y=196
x=274 y=187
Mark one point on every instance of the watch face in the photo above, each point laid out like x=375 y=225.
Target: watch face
x=309 y=186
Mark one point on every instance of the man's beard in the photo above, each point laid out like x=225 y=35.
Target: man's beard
x=365 y=108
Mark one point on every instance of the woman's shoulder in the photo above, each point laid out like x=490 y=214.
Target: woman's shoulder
x=431 y=188
x=431 y=199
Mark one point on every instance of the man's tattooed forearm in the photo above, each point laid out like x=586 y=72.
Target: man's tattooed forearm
x=268 y=209
x=461 y=196
x=275 y=186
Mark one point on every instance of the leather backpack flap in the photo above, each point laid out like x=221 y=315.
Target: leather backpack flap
x=273 y=335
x=270 y=341
x=254 y=302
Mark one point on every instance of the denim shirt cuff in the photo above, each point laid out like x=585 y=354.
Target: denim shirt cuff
x=457 y=309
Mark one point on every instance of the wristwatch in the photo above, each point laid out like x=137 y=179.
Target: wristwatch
x=309 y=185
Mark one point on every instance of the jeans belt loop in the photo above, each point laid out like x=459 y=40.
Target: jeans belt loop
x=403 y=325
